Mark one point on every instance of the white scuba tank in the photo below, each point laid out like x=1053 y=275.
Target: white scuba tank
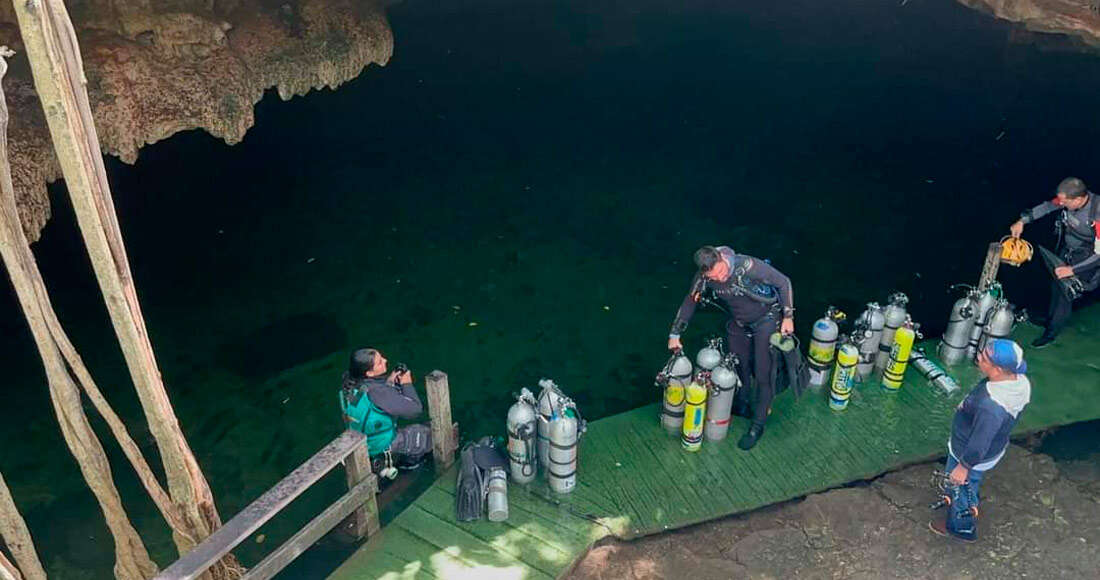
x=983 y=308
x=710 y=355
x=873 y=322
x=822 y=349
x=956 y=336
x=564 y=427
x=550 y=399
x=724 y=383
x=894 y=315
x=931 y=371
x=1002 y=320
x=562 y=468
x=522 y=434
x=497 y=495
x=673 y=379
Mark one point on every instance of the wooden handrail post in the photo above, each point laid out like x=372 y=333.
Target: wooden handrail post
x=363 y=521
x=990 y=266
x=439 y=409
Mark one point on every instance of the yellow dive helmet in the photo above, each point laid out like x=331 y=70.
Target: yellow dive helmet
x=1015 y=251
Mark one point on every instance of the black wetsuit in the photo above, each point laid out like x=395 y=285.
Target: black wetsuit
x=1079 y=246
x=757 y=296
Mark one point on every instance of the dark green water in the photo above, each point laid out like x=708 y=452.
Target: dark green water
x=516 y=196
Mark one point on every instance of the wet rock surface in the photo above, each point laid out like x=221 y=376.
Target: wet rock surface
x=1078 y=18
x=157 y=68
x=1038 y=520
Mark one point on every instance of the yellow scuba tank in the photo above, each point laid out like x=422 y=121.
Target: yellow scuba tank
x=899 y=356
x=695 y=412
x=844 y=375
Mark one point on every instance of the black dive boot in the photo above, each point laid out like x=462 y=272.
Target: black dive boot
x=749 y=439
x=1044 y=339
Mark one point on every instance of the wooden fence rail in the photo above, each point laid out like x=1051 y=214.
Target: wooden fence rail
x=359 y=503
x=360 y=499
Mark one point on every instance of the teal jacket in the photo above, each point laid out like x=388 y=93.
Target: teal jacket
x=372 y=407
x=362 y=415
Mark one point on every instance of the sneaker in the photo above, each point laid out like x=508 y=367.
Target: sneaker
x=1043 y=341
x=939 y=527
x=749 y=439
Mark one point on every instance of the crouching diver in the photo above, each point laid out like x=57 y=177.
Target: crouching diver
x=372 y=399
x=758 y=298
x=1078 y=230
x=980 y=431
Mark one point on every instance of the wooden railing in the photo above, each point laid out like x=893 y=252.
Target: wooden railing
x=358 y=505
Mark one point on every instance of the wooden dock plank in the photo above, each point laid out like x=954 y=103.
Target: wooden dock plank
x=636 y=480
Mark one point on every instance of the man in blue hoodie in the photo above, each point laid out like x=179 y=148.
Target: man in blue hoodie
x=980 y=430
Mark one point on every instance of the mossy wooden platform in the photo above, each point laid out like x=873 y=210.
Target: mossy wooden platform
x=635 y=480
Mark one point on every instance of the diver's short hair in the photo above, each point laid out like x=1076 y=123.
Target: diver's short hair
x=706 y=257
x=1073 y=188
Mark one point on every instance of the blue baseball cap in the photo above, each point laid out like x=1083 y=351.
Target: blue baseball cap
x=1006 y=354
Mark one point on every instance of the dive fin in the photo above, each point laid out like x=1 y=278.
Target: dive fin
x=469 y=489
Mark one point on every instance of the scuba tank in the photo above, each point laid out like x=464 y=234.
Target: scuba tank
x=695 y=409
x=497 y=495
x=843 y=375
x=672 y=380
x=894 y=372
x=894 y=314
x=1002 y=320
x=932 y=371
x=957 y=334
x=695 y=396
x=710 y=355
x=563 y=428
x=724 y=383
x=873 y=321
x=983 y=307
x=522 y=431
x=823 y=346
x=550 y=399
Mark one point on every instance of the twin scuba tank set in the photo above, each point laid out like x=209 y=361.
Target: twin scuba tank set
x=697 y=405
x=977 y=317
x=881 y=342
x=544 y=431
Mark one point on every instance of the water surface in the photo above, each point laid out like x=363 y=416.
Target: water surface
x=517 y=195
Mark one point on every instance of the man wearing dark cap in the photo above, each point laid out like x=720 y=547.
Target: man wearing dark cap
x=1078 y=230
x=979 y=433
x=372 y=399
x=759 y=299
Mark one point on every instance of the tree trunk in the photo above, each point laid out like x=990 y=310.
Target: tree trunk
x=131 y=558
x=59 y=80
x=17 y=537
x=8 y=571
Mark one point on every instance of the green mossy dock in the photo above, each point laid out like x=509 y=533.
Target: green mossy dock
x=635 y=480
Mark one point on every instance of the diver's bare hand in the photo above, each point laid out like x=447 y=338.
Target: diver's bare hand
x=787 y=326
x=1063 y=272
x=1016 y=229
x=401 y=377
x=959 y=474
x=674 y=344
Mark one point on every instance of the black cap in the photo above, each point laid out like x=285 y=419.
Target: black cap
x=1072 y=187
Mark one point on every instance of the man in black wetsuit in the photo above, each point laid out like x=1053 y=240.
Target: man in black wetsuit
x=758 y=298
x=372 y=399
x=1078 y=228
